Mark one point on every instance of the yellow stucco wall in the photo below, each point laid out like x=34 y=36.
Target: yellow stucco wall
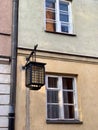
x=87 y=84
x=31 y=28
x=31 y=32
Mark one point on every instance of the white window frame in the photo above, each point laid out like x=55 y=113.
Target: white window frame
x=61 y=114
x=57 y=20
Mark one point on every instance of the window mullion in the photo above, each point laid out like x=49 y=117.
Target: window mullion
x=58 y=24
x=75 y=99
x=61 y=106
x=70 y=18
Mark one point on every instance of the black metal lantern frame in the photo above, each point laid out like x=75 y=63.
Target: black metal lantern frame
x=35 y=75
x=34 y=72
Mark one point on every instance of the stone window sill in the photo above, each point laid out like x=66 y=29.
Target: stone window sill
x=61 y=33
x=64 y=122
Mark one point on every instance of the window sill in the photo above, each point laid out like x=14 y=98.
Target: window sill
x=61 y=33
x=64 y=122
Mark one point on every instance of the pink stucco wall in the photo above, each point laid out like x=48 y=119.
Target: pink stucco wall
x=5 y=27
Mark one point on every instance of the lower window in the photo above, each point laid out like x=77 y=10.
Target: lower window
x=62 y=104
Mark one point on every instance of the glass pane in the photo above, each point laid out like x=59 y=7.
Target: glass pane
x=53 y=111
x=64 y=28
x=52 y=82
x=68 y=111
x=52 y=96
x=68 y=97
x=67 y=83
x=38 y=74
x=50 y=3
x=50 y=14
x=50 y=26
x=63 y=6
x=64 y=17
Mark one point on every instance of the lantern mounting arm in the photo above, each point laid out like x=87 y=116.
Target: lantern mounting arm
x=31 y=54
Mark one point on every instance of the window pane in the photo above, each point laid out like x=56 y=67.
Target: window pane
x=52 y=96
x=67 y=83
x=52 y=82
x=50 y=21
x=52 y=111
x=50 y=26
x=63 y=6
x=64 y=17
x=68 y=111
x=68 y=97
x=50 y=3
x=64 y=28
x=50 y=14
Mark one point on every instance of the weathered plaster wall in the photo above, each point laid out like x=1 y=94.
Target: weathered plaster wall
x=5 y=27
x=86 y=84
x=31 y=28
x=5 y=45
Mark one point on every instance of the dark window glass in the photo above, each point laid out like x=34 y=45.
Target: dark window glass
x=68 y=111
x=52 y=96
x=52 y=82
x=67 y=83
x=68 y=97
x=53 y=111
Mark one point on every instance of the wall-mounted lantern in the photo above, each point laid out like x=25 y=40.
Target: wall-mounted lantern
x=34 y=72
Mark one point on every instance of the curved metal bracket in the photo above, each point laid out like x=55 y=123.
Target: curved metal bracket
x=31 y=54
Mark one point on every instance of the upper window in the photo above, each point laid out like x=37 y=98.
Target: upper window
x=61 y=98
x=58 y=16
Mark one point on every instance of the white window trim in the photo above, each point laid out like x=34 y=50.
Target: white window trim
x=58 y=25
x=61 y=116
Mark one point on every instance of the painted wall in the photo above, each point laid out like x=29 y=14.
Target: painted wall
x=5 y=27
x=87 y=71
x=31 y=32
x=31 y=28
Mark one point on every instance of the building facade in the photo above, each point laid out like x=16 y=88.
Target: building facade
x=66 y=33
x=5 y=64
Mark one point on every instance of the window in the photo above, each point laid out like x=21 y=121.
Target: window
x=58 y=16
x=61 y=98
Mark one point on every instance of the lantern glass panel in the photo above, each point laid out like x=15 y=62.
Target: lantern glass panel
x=38 y=75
